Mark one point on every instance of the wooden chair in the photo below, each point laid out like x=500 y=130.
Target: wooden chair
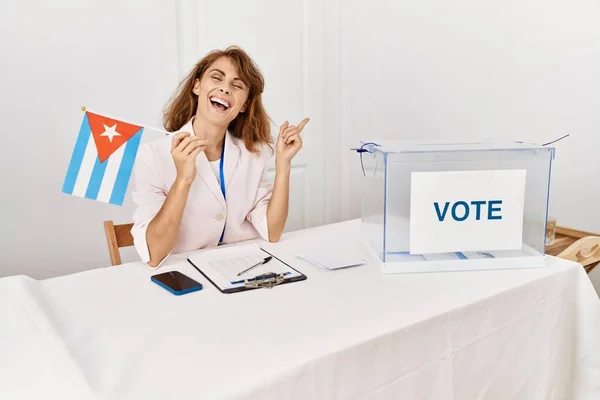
x=117 y=236
x=580 y=246
x=585 y=251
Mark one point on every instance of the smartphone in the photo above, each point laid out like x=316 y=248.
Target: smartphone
x=176 y=282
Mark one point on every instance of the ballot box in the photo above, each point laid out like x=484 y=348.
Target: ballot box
x=443 y=206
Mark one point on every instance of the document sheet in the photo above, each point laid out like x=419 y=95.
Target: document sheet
x=222 y=266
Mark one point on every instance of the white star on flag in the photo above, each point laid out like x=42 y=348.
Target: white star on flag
x=110 y=132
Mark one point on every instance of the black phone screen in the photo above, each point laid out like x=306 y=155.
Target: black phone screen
x=176 y=280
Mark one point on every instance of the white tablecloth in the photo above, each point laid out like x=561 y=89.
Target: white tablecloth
x=347 y=334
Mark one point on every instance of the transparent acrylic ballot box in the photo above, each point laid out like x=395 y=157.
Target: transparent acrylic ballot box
x=433 y=206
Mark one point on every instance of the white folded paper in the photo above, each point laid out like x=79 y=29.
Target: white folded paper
x=327 y=259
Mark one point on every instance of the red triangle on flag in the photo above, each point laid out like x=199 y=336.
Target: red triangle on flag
x=110 y=134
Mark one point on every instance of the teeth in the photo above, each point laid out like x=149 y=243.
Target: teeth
x=220 y=101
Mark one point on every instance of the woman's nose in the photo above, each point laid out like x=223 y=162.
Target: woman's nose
x=224 y=91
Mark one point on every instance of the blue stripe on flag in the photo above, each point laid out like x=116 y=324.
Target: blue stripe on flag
x=96 y=179
x=120 y=188
x=85 y=133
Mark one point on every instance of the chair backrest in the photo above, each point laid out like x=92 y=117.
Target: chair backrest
x=585 y=251
x=117 y=236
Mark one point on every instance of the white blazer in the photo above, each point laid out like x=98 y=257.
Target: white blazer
x=206 y=213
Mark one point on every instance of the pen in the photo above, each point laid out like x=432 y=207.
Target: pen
x=260 y=277
x=266 y=260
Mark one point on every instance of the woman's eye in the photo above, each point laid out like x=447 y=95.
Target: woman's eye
x=237 y=87
x=216 y=78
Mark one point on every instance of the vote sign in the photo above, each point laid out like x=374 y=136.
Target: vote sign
x=466 y=211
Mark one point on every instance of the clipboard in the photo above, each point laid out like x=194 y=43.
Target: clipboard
x=201 y=262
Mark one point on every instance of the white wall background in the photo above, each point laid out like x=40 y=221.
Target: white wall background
x=57 y=56
x=453 y=69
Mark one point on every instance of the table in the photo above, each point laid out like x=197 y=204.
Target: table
x=347 y=334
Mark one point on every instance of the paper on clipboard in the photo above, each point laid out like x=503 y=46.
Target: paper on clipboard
x=221 y=266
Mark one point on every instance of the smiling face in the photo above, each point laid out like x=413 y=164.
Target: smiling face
x=222 y=95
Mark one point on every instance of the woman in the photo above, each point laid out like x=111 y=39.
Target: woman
x=206 y=184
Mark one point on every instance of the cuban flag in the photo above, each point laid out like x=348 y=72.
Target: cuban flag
x=102 y=159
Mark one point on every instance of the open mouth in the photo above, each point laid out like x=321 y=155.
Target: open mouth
x=219 y=104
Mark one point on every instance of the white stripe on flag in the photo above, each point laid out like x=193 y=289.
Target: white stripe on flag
x=87 y=166
x=110 y=174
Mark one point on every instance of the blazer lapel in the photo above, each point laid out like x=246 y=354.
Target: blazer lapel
x=232 y=159
x=207 y=174
x=203 y=167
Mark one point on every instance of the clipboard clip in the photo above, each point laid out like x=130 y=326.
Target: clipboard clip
x=267 y=281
